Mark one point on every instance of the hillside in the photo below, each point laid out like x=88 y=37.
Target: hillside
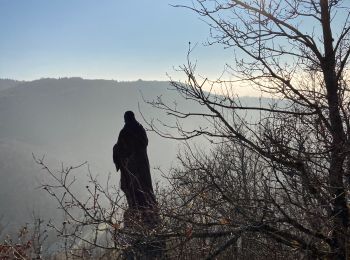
x=67 y=120
x=71 y=120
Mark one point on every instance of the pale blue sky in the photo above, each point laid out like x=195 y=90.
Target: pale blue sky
x=111 y=39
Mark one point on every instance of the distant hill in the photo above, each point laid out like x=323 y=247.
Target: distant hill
x=8 y=83
x=70 y=120
x=76 y=118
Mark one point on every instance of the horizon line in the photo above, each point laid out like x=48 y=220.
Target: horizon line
x=79 y=77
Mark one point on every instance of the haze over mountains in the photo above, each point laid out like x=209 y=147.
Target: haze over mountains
x=70 y=120
x=81 y=118
x=67 y=120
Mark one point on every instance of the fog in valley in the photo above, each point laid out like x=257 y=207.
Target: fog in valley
x=69 y=121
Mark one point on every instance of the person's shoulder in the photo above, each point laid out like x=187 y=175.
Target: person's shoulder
x=141 y=127
x=123 y=131
x=134 y=127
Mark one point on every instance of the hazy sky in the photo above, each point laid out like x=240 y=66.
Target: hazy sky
x=111 y=39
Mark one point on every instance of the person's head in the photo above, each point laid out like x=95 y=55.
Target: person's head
x=129 y=117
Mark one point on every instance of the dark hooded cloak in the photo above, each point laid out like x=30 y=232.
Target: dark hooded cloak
x=130 y=156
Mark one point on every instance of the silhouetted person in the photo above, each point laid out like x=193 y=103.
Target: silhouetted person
x=130 y=157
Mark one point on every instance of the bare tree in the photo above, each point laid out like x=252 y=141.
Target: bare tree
x=27 y=243
x=295 y=52
x=93 y=227
x=223 y=201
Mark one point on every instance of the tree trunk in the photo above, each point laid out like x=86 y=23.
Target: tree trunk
x=336 y=170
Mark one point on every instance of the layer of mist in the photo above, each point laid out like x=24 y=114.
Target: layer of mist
x=70 y=121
